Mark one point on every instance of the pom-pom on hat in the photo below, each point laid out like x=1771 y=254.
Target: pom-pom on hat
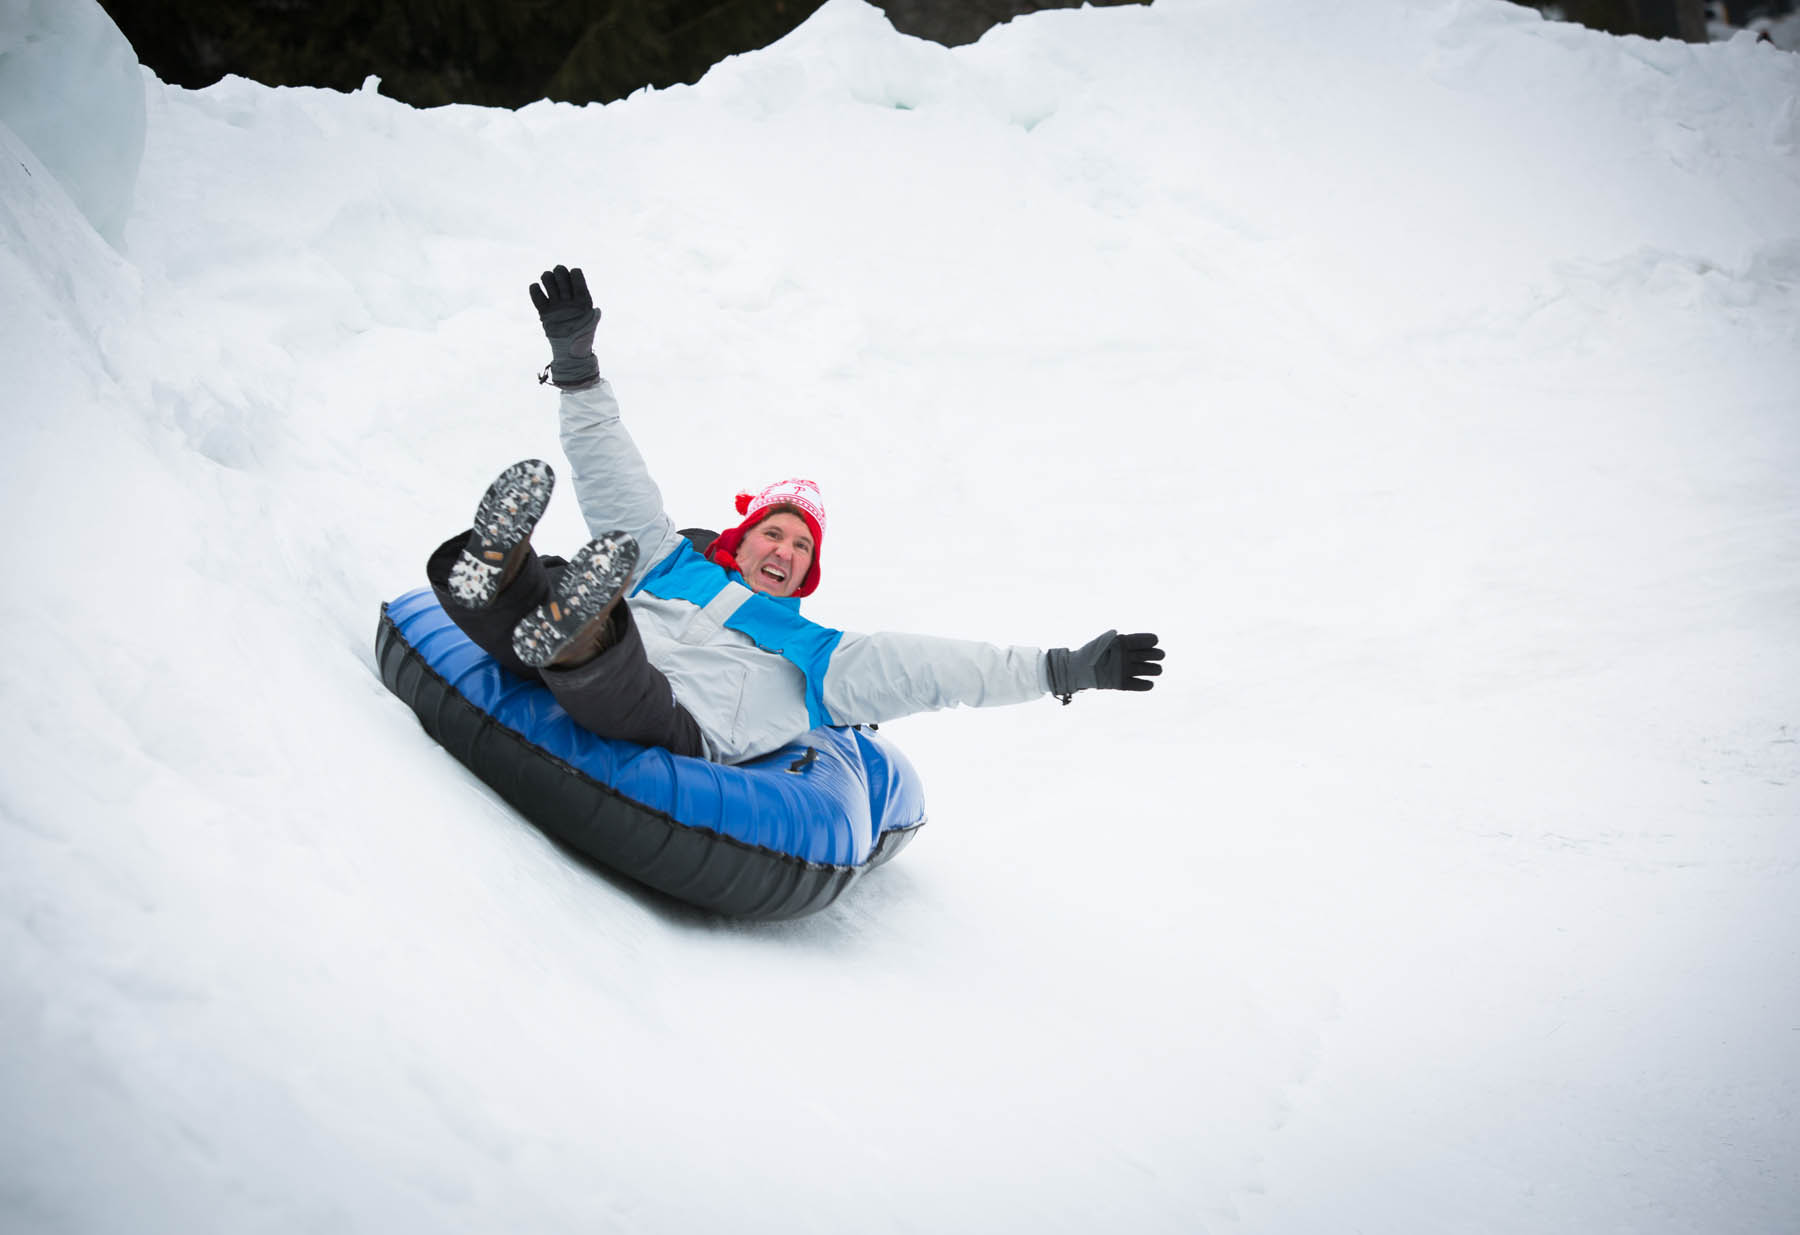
x=803 y=496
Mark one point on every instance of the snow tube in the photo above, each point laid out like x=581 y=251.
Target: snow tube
x=778 y=838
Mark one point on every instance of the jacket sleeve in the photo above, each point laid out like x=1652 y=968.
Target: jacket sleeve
x=612 y=482
x=872 y=678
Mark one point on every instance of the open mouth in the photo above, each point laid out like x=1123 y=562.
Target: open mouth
x=774 y=573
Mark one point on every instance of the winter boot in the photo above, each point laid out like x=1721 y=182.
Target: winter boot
x=570 y=628
x=509 y=510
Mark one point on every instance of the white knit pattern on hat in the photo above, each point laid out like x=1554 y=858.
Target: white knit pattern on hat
x=797 y=492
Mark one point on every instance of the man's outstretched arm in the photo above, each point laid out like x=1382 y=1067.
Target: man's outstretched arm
x=611 y=480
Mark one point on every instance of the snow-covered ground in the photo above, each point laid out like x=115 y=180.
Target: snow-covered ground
x=1426 y=373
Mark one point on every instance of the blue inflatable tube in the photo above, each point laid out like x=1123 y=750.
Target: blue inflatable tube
x=778 y=838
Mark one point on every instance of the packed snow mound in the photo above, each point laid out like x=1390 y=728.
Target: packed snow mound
x=72 y=90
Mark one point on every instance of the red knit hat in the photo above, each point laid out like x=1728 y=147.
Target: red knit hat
x=803 y=496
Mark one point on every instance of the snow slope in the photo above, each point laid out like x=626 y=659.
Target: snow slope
x=1425 y=373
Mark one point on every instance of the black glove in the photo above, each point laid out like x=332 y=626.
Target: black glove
x=1111 y=662
x=569 y=317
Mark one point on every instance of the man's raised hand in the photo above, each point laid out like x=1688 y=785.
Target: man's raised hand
x=567 y=312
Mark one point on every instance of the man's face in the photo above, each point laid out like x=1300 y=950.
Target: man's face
x=776 y=554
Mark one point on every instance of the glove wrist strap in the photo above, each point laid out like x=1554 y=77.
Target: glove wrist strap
x=546 y=378
x=1056 y=668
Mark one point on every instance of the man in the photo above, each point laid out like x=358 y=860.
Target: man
x=696 y=643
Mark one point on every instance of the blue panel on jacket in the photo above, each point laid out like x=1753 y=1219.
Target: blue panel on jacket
x=684 y=575
x=773 y=623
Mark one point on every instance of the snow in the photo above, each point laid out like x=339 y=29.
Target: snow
x=1423 y=372
x=71 y=88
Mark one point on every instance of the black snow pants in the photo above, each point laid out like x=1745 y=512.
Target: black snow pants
x=619 y=694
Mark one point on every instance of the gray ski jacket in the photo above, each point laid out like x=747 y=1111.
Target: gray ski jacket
x=753 y=673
